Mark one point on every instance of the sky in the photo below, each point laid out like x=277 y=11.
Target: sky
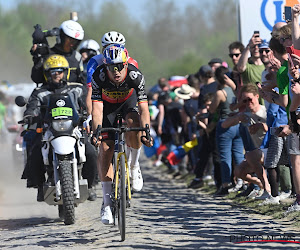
x=135 y=7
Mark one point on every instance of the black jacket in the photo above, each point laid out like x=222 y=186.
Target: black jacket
x=73 y=58
x=40 y=96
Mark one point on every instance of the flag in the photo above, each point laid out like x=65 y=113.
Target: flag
x=177 y=155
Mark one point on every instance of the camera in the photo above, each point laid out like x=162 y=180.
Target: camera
x=39 y=37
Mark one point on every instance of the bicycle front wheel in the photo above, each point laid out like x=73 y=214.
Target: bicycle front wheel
x=122 y=193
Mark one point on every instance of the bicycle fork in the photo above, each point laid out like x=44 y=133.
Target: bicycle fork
x=127 y=178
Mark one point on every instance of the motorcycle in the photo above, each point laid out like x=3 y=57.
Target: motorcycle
x=63 y=152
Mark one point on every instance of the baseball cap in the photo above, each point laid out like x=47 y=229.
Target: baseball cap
x=264 y=44
x=204 y=70
x=215 y=60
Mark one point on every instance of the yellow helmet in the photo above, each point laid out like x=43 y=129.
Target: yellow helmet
x=56 y=62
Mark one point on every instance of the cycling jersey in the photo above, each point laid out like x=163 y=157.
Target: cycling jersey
x=97 y=61
x=105 y=90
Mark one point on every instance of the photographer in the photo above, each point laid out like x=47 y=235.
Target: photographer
x=69 y=36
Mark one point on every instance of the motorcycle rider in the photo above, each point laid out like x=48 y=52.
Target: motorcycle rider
x=56 y=72
x=71 y=34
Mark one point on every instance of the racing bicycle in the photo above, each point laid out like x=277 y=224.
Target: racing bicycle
x=121 y=191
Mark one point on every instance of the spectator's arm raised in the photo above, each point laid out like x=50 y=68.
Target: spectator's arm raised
x=241 y=65
x=295 y=26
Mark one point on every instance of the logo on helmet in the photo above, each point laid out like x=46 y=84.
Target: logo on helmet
x=77 y=34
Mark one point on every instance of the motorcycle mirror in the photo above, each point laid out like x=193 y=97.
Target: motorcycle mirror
x=20 y=101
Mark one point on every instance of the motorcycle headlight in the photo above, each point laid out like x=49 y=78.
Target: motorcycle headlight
x=62 y=125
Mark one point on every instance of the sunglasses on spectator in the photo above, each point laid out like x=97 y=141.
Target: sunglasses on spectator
x=247 y=100
x=115 y=67
x=282 y=39
x=264 y=50
x=234 y=54
x=54 y=71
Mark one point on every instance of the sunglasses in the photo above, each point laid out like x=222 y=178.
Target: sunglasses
x=54 y=71
x=282 y=39
x=247 y=100
x=234 y=54
x=115 y=67
x=264 y=50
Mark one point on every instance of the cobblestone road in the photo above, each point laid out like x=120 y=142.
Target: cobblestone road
x=165 y=215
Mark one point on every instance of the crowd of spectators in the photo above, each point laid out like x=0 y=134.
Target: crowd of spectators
x=245 y=119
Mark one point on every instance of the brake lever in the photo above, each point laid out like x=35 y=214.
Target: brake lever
x=96 y=135
x=147 y=136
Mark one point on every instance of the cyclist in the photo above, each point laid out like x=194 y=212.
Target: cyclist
x=109 y=38
x=117 y=87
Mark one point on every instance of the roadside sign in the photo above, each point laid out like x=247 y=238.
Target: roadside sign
x=260 y=15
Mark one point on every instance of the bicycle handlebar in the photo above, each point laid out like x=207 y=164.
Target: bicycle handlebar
x=100 y=130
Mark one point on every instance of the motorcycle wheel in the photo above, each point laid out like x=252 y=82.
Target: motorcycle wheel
x=122 y=199
x=67 y=186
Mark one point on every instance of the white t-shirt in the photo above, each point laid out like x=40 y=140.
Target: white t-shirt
x=259 y=117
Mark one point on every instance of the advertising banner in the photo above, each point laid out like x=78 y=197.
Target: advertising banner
x=260 y=15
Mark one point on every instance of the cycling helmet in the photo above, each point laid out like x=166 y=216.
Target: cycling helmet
x=114 y=54
x=90 y=45
x=56 y=62
x=72 y=29
x=113 y=37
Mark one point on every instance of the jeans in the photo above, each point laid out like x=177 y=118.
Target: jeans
x=209 y=148
x=229 y=142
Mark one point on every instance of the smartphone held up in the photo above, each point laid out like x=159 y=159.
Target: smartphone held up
x=288 y=13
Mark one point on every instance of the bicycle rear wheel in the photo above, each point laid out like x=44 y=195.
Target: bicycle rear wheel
x=122 y=198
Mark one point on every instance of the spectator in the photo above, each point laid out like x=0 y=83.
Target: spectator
x=275 y=30
x=254 y=118
x=285 y=37
x=162 y=85
x=283 y=100
x=215 y=63
x=206 y=76
x=169 y=122
x=251 y=68
x=208 y=139
x=229 y=141
x=190 y=109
